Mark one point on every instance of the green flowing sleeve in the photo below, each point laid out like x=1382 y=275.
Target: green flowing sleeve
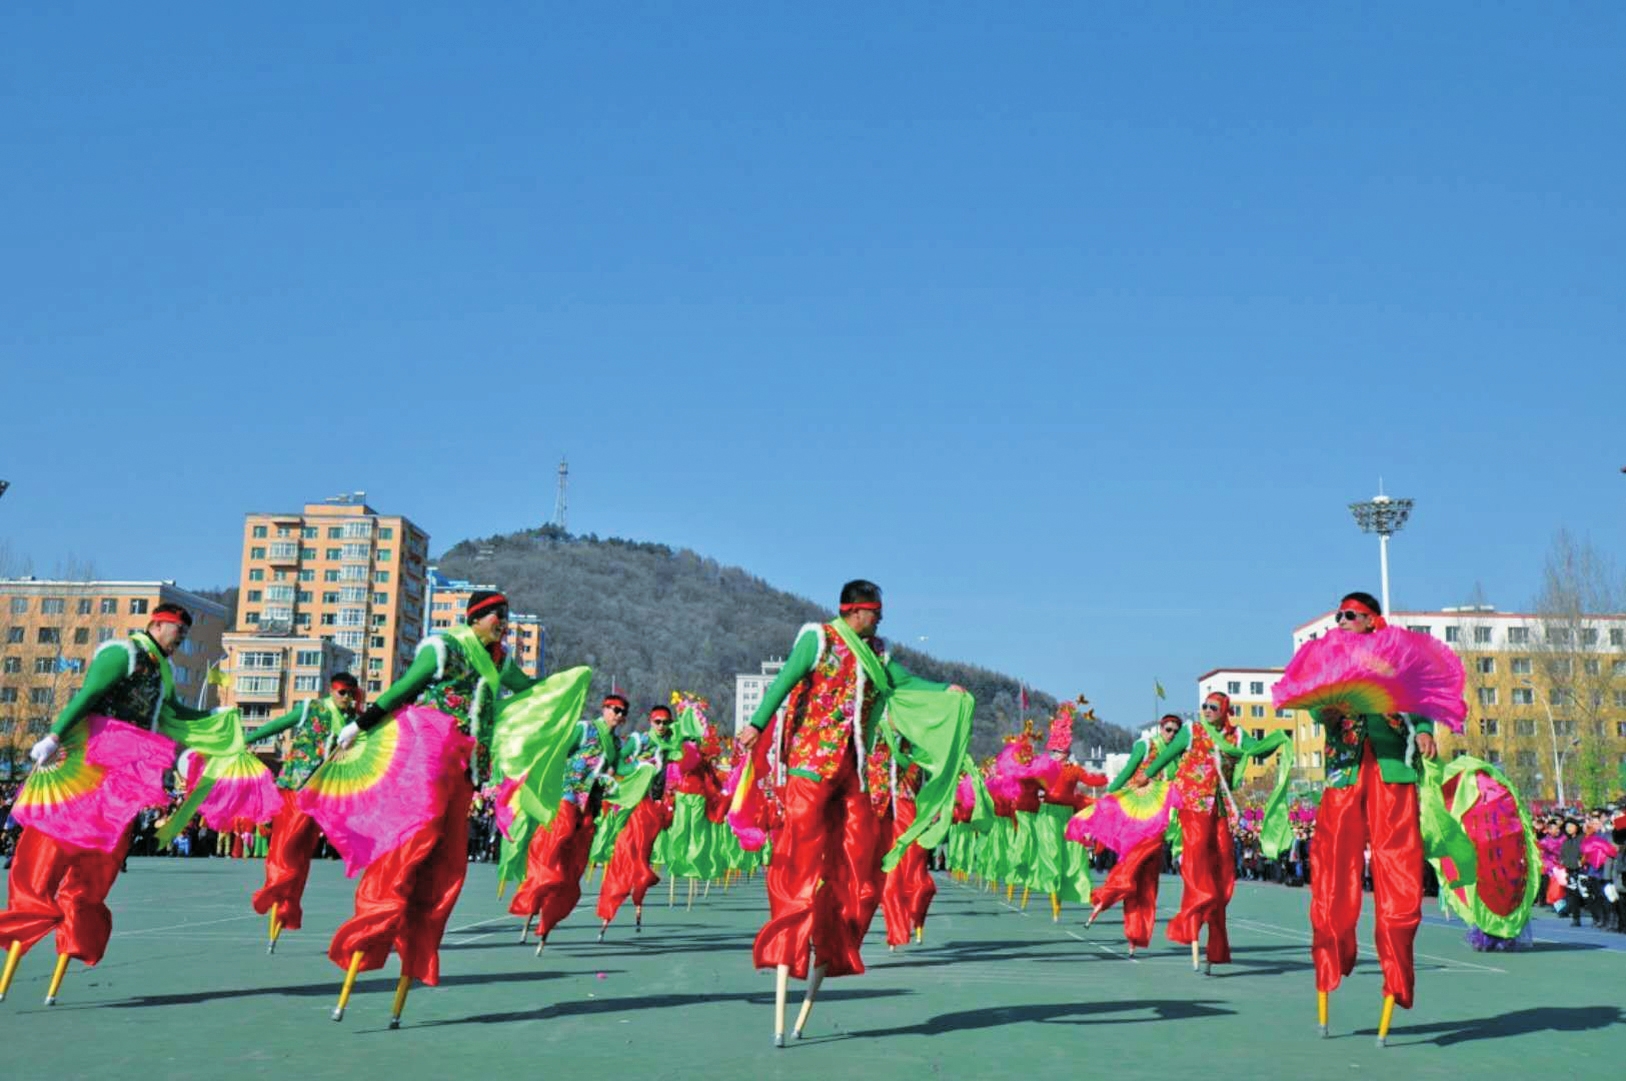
x=1137 y=755
x=278 y=725
x=514 y=678
x=406 y=690
x=937 y=724
x=213 y=734
x=535 y=734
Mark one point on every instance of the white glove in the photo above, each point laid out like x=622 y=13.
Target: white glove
x=347 y=736
x=183 y=764
x=42 y=751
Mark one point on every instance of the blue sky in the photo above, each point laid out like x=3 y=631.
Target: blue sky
x=1074 y=327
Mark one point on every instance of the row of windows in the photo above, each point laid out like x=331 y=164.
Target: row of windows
x=56 y=606
x=1557 y=696
x=1518 y=636
x=334 y=532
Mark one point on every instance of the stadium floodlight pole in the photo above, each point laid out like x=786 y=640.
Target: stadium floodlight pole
x=1383 y=516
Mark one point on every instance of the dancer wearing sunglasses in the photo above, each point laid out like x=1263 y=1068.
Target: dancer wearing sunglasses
x=1133 y=879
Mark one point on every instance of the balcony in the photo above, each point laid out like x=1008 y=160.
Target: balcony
x=285 y=552
x=257 y=688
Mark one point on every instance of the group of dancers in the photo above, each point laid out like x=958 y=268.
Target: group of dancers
x=851 y=772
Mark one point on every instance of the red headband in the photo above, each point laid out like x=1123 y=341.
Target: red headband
x=613 y=698
x=862 y=606
x=1353 y=605
x=487 y=603
x=167 y=617
x=347 y=684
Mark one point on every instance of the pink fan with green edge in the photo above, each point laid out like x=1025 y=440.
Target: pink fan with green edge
x=1388 y=671
x=1125 y=818
x=244 y=792
x=87 y=793
x=387 y=786
x=1507 y=874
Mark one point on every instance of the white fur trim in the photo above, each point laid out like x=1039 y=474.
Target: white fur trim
x=1411 y=741
x=438 y=644
x=129 y=648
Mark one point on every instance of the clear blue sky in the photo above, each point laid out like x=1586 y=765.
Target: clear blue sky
x=1075 y=326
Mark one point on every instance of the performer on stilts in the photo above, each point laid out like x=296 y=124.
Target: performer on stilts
x=437 y=728
x=558 y=853
x=295 y=834
x=102 y=762
x=907 y=890
x=642 y=785
x=1132 y=819
x=1062 y=870
x=1371 y=800
x=836 y=676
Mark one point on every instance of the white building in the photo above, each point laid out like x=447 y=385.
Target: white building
x=749 y=687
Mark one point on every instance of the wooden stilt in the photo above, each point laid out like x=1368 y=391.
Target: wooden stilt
x=349 y=985
x=1131 y=951
x=815 y=978
x=1055 y=908
x=525 y=931
x=56 y=979
x=781 y=985
x=402 y=986
x=1095 y=912
x=1196 y=964
x=706 y=894
x=920 y=934
x=671 y=890
x=1321 y=1011
x=13 y=954
x=541 y=941
x=690 y=903
x=1383 y=1020
x=276 y=931
x=605 y=926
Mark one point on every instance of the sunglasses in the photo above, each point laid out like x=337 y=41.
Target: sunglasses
x=1349 y=615
x=1212 y=707
x=621 y=710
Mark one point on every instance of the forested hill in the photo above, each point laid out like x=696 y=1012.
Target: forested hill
x=654 y=620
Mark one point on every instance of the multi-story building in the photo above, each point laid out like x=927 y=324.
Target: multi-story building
x=1249 y=690
x=270 y=672
x=526 y=640
x=52 y=628
x=749 y=688
x=340 y=571
x=1546 y=694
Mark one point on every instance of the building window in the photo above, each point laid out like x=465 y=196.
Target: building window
x=1493 y=756
x=375 y=664
x=386 y=533
x=1620 y=728
x=307 y=575
x=329 y=619
x=1620 y=702
x=378 y=641
x=381 y=577
x=307 y=683
x=251 y=617
x=1592 y=666
x=1617 y=637
x=349 y=639
x=1488 y=726
x=280 y=594
x=109 y=606
x=8 y=695
x=1589 y=636
x=1524 y=696
x=1420 y=628
x=1520 y=666
x=1485 y=666
x=333 y=553
x=330 y=575
x=257 y=552
x=49 y=636
x=255 y=574
x=334 y=532
x=1487 y=696
x=1453 y=634
x=284 y=550
x=352 y=617
x=53 y=606
x=308 y=532
x=1257 y=711
x=1234 y=686
x=258 y=685
x=258 y=659
x=1256 y=687
x=83 y=606
x=11 y=665
x=19 y=605
x=105 y=634
x=1482 y=636
x=81 y=636
x=1525 y=759
x=303 y=596
x=138 y=606
x=277 y=614
x=259 y=532
x=374 y=686
x=1563 y=728
x=307 y=553
x=381 y=598
x=14 y=635
x=358 y=530
x=40 y=696
x=43 y=666
x=1559 y=636
x=254 y=596
x=1518 y=636
x=303 y=619
x=1524 y=726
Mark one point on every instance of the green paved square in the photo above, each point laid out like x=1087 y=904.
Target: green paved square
x=187 y=991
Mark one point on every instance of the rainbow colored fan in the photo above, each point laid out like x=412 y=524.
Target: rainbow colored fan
x=243 y=791
x=387 y=786
x=1121 y=820
x=87 y=793
x=1388 y=671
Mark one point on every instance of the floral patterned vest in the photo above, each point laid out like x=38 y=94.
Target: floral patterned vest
x=312 y=735
x=1154 y=747
x=1197 y=777
x=458 y=691
x=879 y=771
x=822 y=712
x=590 y=763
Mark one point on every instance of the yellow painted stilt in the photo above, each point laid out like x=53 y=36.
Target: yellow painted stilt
x=1321 y=1011
x=56 y=979
x=402 y=986
x=1010 y=891
x=920 y=934
x=1055 y=908
x=276 y=931
x=1024 y=898
x=13 y=955
x=815 y=978
x=349 y=985
x=502 y=887
x=1383 y=1020
x=780 y=987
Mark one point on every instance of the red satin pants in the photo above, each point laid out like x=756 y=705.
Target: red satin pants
x=406 y=896
x=821 y=863
x=554 y=866
x=629 y=872
x=61 y=887
x=1133 y=881
x=909 y=887
x=294 y=837
x=1383 y=815
x=1208 y=872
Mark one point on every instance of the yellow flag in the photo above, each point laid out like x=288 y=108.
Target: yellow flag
x=216 y=678
x=1159 y=687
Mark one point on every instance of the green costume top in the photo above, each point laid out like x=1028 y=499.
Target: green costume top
x=454 y=673
x=318 y=721
x=1143 y=751
x=1181 y=743
x=129 y=681
x=1393 y=742
x=804 y=655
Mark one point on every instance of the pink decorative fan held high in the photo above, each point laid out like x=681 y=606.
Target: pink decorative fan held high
x=1388 y=671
